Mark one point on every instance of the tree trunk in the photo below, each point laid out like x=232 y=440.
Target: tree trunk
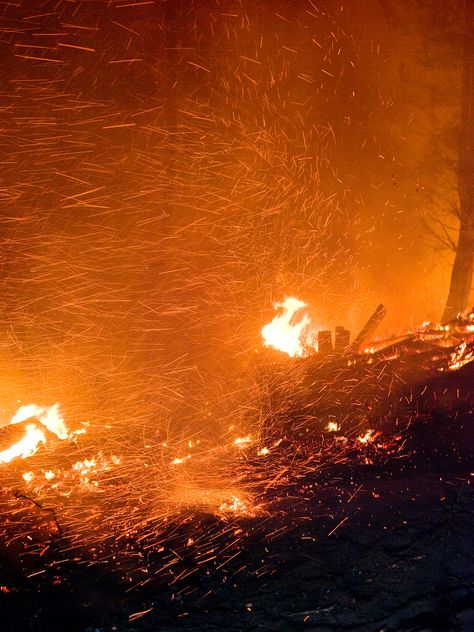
x=461 y=275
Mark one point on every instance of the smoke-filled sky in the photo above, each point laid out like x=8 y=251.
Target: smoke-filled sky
x=169 y=168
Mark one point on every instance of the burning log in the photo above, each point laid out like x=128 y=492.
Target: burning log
x=369 y=328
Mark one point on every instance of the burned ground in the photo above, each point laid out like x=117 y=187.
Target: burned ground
x=355 y=536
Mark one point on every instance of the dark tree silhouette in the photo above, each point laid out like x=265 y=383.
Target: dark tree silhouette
x=461 y=276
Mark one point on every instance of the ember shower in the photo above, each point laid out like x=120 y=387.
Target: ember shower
x=169 y=170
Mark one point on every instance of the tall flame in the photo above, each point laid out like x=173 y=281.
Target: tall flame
x=289 y=332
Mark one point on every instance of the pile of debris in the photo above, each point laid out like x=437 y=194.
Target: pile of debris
x=380 y=385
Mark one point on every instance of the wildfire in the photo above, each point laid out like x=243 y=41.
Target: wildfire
x=41 y=422
x=290 y=331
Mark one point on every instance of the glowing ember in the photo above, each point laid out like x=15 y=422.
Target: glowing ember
x=179 y=461
x=290 y=332
x=332 y=426
x=461 y=356
x=369 y=437
x=79 y=477
x=238 y=506
x=241 y=442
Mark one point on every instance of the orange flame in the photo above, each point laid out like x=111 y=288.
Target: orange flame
x=289 y=332
x=26 y=446
x=50 y=418
x=34 y=435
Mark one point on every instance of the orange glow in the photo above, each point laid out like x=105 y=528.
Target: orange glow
x=290 y=332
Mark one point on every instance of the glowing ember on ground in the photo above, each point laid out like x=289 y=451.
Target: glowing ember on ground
x=462 y=355
x=290 y=331
x=78 y=477
x=369 y=437
x=239 y=507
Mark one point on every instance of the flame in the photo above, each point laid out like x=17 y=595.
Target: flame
x=26 y=446
x=287 y=332
x=49 y=417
